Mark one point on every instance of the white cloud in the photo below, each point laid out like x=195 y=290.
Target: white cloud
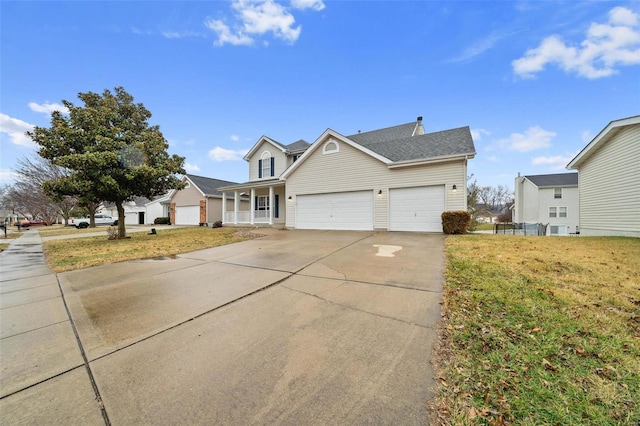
x=316 y=5
x=235 y=138
x=557 y=162
x=477 y=134
x=16 y=128
x=8 y=175
x=190 y=168
x=259 y=17
x=533 y=138
x=222 y=154
x=47 y=108
x=586 y=136
x=482 y=45
x=181 y=34
x=605 y=47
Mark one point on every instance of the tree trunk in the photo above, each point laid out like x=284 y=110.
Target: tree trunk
x=122 y=231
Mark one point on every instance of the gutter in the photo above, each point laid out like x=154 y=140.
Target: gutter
x=442 y=159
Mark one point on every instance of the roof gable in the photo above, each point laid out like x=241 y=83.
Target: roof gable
x=264 y=139
x=554 y=180
x=602 y=138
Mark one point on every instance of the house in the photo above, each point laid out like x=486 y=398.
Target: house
x=609 y=170
x=200 y=202
x=548 y=199
x=397 y=178
x=141 y=210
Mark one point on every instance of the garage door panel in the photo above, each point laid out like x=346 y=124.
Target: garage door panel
x=416 y=209
x=188 y=215
x=340 y=211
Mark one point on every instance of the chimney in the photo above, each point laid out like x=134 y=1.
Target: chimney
x=419 y=130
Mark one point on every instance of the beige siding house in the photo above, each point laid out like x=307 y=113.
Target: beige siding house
x=398 y=178
x=609 y=173
x=548 y=199
x=200 y=202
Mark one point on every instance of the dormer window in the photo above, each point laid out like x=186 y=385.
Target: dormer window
x=330 y=147
x=266 y=165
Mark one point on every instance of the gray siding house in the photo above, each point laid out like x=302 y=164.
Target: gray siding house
x=548 y=199
x=609 y=178
x=397 y=178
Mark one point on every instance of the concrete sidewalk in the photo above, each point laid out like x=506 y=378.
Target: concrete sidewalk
x=44 y=377
x=297 y=327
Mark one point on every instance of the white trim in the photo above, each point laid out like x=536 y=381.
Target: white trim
x=601 y=138
x=441 y=159
x=253 y=149
x=325 y=147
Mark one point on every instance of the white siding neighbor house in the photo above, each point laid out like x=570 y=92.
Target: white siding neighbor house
x=141 y=210
x=551 y=200
x=397 y=178
x=609 y=170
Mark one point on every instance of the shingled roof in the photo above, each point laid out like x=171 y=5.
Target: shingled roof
x=554 y=180
x=298 y=146
x=397 y=143
x=209 y=185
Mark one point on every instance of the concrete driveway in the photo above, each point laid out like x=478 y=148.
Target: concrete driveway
x=297 y=327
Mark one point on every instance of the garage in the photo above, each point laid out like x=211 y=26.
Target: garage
x=188 y=215
x=416 y=209
x=337 y=211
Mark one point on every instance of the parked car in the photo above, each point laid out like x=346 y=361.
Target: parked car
x=101 y=219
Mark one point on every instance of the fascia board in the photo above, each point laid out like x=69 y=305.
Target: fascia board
x=442 y=159
x=316 y=144
x=602 y=137
x=257 y=144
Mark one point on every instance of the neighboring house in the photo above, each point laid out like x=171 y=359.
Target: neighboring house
x=200 y=202
x=487 y=214
x=398 y=178
x=548 y=199
x=135 y=212
x=609 y=169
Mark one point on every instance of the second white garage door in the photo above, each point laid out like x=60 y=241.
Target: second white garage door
x=416 y=209
x=188 y=215
x=340 y=211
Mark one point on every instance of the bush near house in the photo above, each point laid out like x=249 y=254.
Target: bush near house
x=456 y=222
x=161 y=221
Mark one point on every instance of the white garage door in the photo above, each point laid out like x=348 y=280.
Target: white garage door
x=416 y=209
x=340 y=210
x=188 y=215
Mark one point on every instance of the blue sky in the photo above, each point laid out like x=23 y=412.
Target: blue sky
x=535 y=80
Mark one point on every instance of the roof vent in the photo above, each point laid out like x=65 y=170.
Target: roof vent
x=419 y=129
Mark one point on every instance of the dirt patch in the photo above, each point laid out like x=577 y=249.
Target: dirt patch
x=247 y=233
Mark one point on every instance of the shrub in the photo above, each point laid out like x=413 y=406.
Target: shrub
x=161 y=221
x=217 y=224
x=455 y=222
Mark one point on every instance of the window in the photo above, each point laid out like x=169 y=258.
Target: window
x=557 y=230
x=557 y=193
x=562 y=212
x=266 y=165
x=263 y=202
x=295 y=158
x=553 y=212
x=330 y=147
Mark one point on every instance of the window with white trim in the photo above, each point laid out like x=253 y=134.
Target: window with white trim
x=562 y=212
x=263 y=202
x=266 y=165
x=330 y=147
x=557 y=193
x=553 y=212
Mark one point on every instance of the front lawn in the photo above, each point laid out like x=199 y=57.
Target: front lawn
x=76 y=253
x=540 y=330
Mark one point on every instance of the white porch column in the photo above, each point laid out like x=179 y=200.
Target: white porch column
x=224 y=207
x=253 y=205
x=236 y=206
x=271 y=206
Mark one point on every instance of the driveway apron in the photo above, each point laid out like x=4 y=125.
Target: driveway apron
x=297 y=327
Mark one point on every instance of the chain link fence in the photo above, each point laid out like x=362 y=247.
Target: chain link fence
x=536 y=229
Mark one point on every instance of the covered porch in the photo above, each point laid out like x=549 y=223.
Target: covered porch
x=267 y=206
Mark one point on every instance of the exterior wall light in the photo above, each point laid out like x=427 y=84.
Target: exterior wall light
x=455 y=188
x=380 y=193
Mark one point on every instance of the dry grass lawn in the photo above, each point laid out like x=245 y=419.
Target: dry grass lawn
x=76 y=253
x=540 y=330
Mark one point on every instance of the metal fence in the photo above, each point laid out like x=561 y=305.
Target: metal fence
x=536 y=229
